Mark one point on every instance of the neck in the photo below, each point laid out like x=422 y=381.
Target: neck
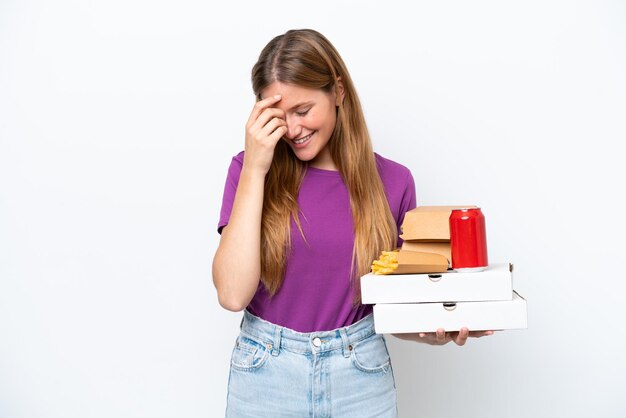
x=323 y=161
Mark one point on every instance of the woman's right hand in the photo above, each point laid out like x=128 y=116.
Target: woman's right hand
x=265 y=127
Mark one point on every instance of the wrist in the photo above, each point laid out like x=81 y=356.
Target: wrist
x=252 y=173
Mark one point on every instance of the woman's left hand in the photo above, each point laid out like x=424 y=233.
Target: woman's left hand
x=442 y=337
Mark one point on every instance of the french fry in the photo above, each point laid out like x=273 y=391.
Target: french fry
x=386 y=264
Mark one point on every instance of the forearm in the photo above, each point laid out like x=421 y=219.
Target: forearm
x=237 y=262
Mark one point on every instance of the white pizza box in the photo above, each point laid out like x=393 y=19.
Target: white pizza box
x=399 y=318
x=494 y=283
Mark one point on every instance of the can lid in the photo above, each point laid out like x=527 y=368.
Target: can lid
x=466 y=209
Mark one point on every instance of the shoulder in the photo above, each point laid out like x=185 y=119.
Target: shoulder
x=389 y=169
x=399 y=186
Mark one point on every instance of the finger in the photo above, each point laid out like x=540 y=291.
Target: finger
x=260 y=106
x=277 y=134
x=461 y=337
x=265 y=117
x=441 y=336
x=478 y=334
x=422 y=335
x=272 y=125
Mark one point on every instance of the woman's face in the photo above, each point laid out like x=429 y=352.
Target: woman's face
x=311 y=116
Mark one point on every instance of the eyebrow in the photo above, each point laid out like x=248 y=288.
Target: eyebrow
x=301 y=104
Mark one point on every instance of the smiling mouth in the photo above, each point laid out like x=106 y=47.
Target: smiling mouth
x=303 y=139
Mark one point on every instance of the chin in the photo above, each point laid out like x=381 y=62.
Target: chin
x=305 y=156
x=305 y=159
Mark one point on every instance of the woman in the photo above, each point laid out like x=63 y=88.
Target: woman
x=306 y=209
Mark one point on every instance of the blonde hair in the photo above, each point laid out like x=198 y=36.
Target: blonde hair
x=306 y=58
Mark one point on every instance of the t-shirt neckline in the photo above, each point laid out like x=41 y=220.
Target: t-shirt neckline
x=323 y=171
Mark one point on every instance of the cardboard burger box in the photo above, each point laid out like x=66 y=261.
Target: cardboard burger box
x=428 y=317
x=440 y=248
x=428 y=223
x=495 y=283
x=427 y=229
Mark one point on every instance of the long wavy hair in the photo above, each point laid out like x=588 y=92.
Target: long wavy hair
x=306 y=58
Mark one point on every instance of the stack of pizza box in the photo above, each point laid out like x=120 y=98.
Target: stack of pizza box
x=423 y=300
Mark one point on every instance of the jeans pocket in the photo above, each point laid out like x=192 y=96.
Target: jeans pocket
x=248 y=354
x=371 y=355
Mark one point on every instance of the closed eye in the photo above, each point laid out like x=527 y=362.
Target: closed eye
x=303 y=113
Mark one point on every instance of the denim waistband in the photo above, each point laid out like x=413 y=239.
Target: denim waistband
x=276 y=337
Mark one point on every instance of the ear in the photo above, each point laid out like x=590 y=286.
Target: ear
x=339 y=92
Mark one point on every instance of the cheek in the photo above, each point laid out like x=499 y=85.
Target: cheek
x=324 y=122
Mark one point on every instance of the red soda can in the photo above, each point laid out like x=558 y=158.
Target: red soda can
x=468 y=240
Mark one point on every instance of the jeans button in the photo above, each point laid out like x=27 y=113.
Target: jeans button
x=317 y=342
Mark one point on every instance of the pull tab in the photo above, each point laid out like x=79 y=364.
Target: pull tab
x=434 y=277
x=449 y=306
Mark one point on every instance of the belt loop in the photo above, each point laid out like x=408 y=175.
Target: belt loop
x=347 y=348
x=277 y=337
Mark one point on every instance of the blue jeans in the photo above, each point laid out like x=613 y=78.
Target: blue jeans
x=278 y=372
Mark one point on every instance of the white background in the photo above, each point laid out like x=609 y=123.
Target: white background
x=118 y=120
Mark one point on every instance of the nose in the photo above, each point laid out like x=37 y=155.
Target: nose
x=293 y=128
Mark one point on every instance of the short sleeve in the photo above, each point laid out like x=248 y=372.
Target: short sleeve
x=408 y=202
x=230 y=188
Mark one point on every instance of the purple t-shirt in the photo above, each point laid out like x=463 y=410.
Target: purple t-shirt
x=316 y=294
